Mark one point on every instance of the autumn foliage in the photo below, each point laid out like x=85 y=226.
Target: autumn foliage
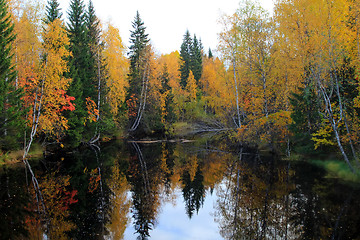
x=289 y=77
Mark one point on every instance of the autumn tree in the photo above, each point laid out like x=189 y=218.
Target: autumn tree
x=27 y=48
x=55 y=85
x=117 y=67
x=216 y=88
x=10 y=97
x=228 y=46
x=320 y=34
x=172 y=64
x=191 y=86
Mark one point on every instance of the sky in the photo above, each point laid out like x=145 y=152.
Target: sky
x=166 y=21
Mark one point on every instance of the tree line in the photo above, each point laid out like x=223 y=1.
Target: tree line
x=291 y=78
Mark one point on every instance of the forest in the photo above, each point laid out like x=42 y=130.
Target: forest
x=288 y=81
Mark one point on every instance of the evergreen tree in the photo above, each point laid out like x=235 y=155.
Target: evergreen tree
x=196 y=59
x=210 y=53
x=97 y=72
x=139 y=41
x=93 y=37
x=306 y=118
x=11 y=122
x=78 y=65
x=169 y=97
x=191 y=59
x=52 y=11
x=185 y=56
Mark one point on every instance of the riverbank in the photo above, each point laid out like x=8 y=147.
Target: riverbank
x=15 y=157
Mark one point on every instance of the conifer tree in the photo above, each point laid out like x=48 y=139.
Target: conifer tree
x=169 y=115
x=196 y=59
x=191 y=59
x=210 y=53
x=78 y=66
x=138 y=70
x=52 y=11
x=97 y=71
x=11 y=122
x=185 y=57
x=93 y=38
x=139 y=40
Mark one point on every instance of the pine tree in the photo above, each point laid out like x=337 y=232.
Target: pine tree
x=11 y=122
x=52 y=11
x=185 y=57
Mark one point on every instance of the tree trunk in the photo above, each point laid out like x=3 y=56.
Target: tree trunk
x=236 y=92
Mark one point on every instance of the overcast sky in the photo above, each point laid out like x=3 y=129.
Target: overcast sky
x=167 y=20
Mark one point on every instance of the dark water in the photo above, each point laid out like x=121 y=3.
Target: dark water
x=193 y=190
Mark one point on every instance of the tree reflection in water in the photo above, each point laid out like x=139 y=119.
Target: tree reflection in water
x=253 y=199
x=262 y=198
x=144 y=178
x=193 y=191
x=258 y=196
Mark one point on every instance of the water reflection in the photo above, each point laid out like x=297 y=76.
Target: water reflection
x=253 y=200
x=119 y=203
x=262 y=198
x=132 y=190
x=193 y=191
x=144 y=178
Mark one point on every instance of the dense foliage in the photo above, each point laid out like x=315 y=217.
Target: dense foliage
x=291 y=79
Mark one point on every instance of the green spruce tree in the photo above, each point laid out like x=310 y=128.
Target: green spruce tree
x=210 y=55
x=78 y=71
x=93 y=40
x=169 y=99
x=138 y=70
x=196 y=59
x=52 y=11
x=306 y=118
x=185 y=57
x=98 y=74
x=11 y=121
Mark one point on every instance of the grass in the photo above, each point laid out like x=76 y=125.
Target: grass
x=15 y=156
x=338 y=169
x=182 y=128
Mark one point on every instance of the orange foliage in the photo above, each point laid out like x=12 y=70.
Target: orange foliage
x=92 y=110
x=132 y=106
x=55 y=85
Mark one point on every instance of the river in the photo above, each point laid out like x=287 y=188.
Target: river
x=182 y=190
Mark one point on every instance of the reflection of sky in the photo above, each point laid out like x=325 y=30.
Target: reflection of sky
x=174 y=224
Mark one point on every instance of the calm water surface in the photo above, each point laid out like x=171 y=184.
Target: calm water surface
x=193 y=190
